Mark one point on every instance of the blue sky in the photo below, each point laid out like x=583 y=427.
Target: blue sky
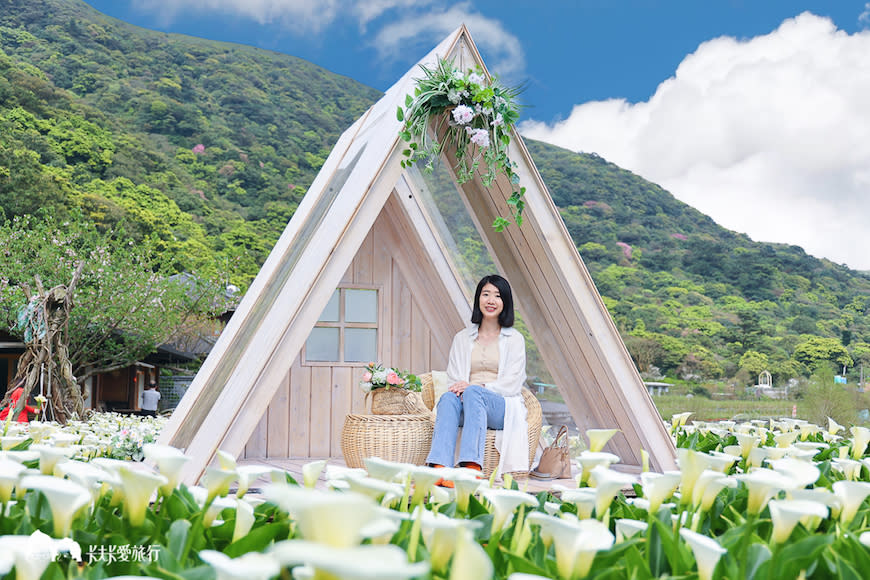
x=753 y=112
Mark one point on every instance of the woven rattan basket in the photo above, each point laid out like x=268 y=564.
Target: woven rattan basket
x=404 y=438
x=389 y=401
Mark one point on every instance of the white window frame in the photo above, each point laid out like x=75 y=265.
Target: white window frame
x=342 y=325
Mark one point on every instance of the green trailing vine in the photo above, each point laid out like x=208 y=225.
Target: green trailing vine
x=474 y=114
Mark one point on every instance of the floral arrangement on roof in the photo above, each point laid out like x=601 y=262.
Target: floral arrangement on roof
x=473 y=113
x=377 y=376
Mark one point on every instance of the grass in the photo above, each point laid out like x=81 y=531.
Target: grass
x=707 y=409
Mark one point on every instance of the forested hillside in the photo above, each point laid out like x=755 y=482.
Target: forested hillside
x=204 y=145
x=204 y=149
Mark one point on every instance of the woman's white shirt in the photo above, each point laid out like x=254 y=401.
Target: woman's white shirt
x=512 y=442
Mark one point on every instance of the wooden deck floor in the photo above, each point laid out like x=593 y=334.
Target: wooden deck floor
x=294 y=466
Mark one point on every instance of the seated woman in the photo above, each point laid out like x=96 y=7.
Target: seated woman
x=486 y=370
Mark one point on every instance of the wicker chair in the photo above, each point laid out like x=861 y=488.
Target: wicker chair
x=490 y=453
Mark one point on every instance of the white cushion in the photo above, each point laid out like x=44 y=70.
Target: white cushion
x=440 y=384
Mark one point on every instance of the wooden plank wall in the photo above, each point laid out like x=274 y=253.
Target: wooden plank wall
x=306 y=415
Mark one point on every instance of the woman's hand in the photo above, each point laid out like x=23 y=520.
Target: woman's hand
x=458 y=387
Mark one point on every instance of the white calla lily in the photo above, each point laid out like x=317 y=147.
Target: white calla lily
x=589 y=460
x=657 y=487
x=756 y=458
x=628 y=528
x=807 y=430
x=802 y=473
x=250 y=566
x=786 y=438
x=311 y=472
x=31 y=555
x=860 y=440
x=707 y=488
x=424 y=478
x=9 y=473
x=719 y=461
x=692 y=463
x=834 y=427
x=820 y=495
x=20 y=456
x=680 y=419
x=217 y=481
x=10 y=441
x=213 y=506
x=575 y=542
x=169 y=462
x=331 y=518
x=87 y=475
x=385 y=469
x=608 y=483
x=247 y=475
x=598 y=438
x=852 y=494
x=504 y=502
x=377 y=489
x=850 y=468
x=707 y=552
x=49 y=456
x=787 y=513
x=747 y=443
x=244 y=519
x=442 y=535
x=584 y=499
x=62 y=439
x=762 y=484
x=65 y=499
x=138 y=486
x=349 y=563
x=470 y=559
x=226 y=460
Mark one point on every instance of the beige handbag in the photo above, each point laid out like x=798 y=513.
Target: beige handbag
x=555 y=460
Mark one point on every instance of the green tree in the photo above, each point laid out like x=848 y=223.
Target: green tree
x=754 y=362
x=816 y=352
x=825 y=398
x=124 y=305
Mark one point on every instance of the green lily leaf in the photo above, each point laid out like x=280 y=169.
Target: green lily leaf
x=257 y=539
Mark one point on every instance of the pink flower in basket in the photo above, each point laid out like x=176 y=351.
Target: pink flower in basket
x=367 y=376
x=393 y=378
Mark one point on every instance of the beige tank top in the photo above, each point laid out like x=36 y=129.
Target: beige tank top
x=484 y=363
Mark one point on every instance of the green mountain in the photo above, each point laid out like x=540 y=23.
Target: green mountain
x=206 y=146
x=206 y=149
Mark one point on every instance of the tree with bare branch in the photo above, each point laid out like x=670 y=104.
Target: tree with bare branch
x=102 y=302
x=45 y=362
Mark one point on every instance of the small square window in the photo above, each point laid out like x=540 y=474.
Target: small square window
x=322 y=344
x=347 y=330
x=330 y=313
x=360 y=344
x=360 y=305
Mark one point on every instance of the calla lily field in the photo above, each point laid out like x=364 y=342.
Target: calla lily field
x=761 y=499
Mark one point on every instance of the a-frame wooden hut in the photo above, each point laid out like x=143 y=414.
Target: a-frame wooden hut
x=368 y=268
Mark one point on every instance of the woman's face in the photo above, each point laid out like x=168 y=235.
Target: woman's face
x=490 y=304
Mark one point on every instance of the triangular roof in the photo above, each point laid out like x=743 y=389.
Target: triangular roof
x=553 y=289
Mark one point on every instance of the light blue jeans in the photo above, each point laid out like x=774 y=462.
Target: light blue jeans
x=475 y=411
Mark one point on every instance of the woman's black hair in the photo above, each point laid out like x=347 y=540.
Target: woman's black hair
x=506 y=317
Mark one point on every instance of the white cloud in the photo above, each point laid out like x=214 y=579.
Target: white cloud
x=308 y=16
x=413 y=31
x=402 y=26
x=769 y=136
